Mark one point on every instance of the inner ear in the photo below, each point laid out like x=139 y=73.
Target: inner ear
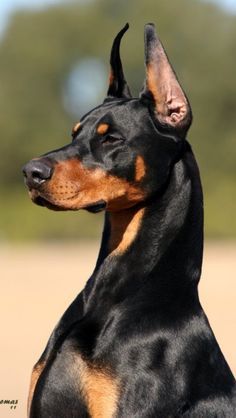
x=170 y=102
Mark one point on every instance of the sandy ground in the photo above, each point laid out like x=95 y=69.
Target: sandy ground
x=39 y=282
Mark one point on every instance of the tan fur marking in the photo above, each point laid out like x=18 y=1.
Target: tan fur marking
x=76 y=127
x=100 y=390
x=124 y=229
x=37 y=370
x=102 y=128
x=140 y=168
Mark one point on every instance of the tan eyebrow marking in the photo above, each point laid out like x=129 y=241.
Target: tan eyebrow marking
x=102 y=128
x=140 y=168
x=76 y=127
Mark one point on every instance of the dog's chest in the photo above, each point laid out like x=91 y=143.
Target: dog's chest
x=72 y=387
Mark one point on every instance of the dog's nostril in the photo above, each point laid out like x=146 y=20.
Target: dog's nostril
x=37 y=172
x=40 y=174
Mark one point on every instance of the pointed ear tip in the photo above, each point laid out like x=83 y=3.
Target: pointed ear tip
x=150 y=24
x=116 y=42
x=150 y=27
x=125 y=28
x=150 y=33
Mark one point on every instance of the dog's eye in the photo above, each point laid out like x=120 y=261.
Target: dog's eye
x=111 y=139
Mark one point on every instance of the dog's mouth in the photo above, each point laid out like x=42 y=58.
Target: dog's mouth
x=40 y=200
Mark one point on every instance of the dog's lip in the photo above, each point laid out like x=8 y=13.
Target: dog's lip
x=96 y=207
x=39 y=199
x=35 y=193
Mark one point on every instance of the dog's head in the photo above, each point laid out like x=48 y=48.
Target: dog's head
x=122 y=151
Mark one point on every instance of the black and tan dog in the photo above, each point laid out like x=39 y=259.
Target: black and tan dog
x=135 y=342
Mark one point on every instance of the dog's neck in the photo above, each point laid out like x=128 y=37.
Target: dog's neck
x=161 y=242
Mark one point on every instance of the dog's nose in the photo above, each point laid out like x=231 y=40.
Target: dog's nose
x=36 y=172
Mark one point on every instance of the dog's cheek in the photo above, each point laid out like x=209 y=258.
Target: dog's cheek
x=120 y=163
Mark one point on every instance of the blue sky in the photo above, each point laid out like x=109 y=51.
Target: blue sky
x=8 y=6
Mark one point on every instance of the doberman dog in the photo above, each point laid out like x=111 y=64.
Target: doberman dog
x=135 y=342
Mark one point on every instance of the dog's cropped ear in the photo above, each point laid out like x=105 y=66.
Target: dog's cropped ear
x=162 y=87
x=117 y=83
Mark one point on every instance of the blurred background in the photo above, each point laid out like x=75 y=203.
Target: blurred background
x=54 y=64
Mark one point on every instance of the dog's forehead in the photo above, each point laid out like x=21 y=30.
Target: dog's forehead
x=115 y=112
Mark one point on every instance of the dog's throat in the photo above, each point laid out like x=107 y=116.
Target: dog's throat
x=124 y=228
